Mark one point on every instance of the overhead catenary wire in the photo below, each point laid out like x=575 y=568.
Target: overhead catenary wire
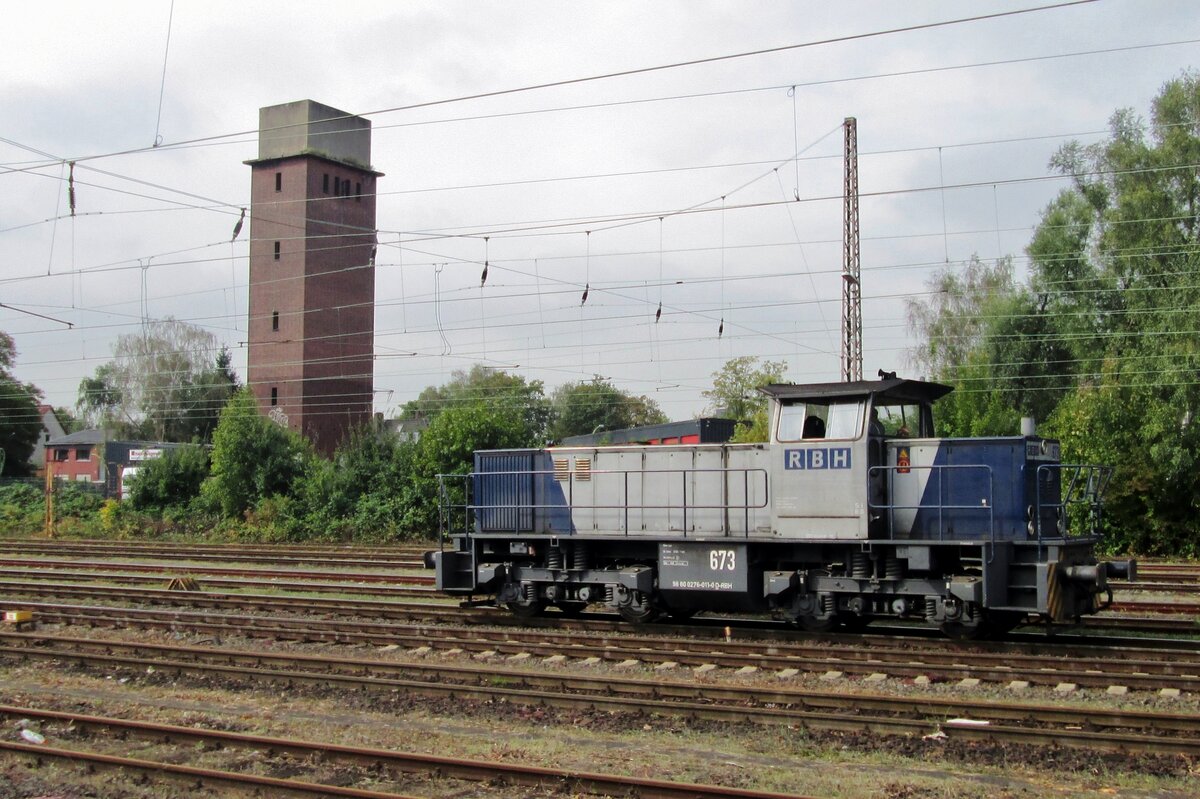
x=446 y=295
x=641 y=70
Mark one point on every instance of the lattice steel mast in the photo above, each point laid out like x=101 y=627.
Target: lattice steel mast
x=851 y=286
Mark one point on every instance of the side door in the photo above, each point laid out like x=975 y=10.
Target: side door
x=819 y=469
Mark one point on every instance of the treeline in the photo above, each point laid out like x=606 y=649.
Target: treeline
x=1100 y=341
x=262 y=481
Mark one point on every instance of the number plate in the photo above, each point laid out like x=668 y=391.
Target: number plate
x=702 y=567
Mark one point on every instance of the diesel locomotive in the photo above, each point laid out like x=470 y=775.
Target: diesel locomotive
x=854 y=510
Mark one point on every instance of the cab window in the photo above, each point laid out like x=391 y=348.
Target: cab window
x=897 y=420
x=810 y=421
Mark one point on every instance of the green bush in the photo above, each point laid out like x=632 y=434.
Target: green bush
x=22 y=508
x=253 y=458
x=171 y=481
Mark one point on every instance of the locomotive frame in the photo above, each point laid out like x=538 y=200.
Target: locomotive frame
x=853 y=511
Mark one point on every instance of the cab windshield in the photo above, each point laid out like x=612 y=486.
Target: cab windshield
x=803 y=421
x=897 y=420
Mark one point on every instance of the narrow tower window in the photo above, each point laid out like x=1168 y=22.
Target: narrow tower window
x=274 y=320
x=357 y=192
x=276 y=251
x=278 y=181
x=274 y=395
x=325 y=183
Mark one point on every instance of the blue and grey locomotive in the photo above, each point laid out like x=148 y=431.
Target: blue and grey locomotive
x=854 y=510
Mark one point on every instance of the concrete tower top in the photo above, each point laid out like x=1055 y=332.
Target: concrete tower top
x=306 y=127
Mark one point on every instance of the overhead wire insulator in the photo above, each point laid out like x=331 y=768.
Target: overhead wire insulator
x=71 y=187
x=658 y=314
x=237 y=226
x=586 y=289
x=483 y=277
x=721 y=329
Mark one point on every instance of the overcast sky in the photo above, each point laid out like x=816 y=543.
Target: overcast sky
x=713 y=189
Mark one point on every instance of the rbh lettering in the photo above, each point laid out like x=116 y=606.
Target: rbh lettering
x=817 y=458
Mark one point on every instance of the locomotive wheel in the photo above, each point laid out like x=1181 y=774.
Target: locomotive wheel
x=985 y=625
x=814 y=625
x=1001 y=622
x=527 y=609
x=976 y=629
x=853 y=623
x=638 y=611
x=571 y=609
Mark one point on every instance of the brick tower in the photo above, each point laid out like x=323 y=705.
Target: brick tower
x=312 y=270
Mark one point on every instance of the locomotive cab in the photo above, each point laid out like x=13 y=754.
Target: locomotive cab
x=834 y=441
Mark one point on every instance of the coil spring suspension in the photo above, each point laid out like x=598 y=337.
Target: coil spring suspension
x=828 y=604
x=529 y=592
x=580 y=557
x=931 y=608
x=554 y=558
x=860 y=565
x=610 y=594
x=893 y=568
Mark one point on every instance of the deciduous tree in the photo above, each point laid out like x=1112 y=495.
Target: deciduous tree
x=496 y=387
x=592 y=405
x=735 y=393
x=252 y=457
x=20 y=421
x=167 y=382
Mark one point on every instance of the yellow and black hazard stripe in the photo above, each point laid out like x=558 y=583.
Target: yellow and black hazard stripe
x=1055 y=595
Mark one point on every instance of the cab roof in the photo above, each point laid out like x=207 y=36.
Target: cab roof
x=895 y=389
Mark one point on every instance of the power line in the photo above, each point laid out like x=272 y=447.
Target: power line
x=632 y=72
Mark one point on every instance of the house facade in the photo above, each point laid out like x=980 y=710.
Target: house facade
x=87 y=457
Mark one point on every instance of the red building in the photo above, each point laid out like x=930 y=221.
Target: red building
x=312 y=270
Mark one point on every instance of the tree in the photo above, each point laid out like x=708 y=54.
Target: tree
x=101 y=402
x=163 y=383
x=1100 y=342
x=70 y=423
x=978 y=332
x=20 y=421
x=173 y=480
x=252 y=457
x=588 y=406
x=361 y=493
x=448 y=447
x=735 y=387
x=485 y=384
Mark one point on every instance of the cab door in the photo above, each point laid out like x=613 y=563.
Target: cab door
x=819 y=469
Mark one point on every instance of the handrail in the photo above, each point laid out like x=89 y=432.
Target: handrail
x=1085 y=487
x=941 y=506
x=469 y=507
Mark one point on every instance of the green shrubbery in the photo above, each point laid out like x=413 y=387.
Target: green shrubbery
x=262 y=482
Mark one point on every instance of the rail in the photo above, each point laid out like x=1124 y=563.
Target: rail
x=456 y=506
x=941 y=506
x=1080 y=486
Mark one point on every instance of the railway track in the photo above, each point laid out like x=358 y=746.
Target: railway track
x=385 y=577
x=395 y=558
x=17 y=580
x=371 y=761
x=383 y=562
x=1013 y=723
x=1041 y=664
x=21 y=583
